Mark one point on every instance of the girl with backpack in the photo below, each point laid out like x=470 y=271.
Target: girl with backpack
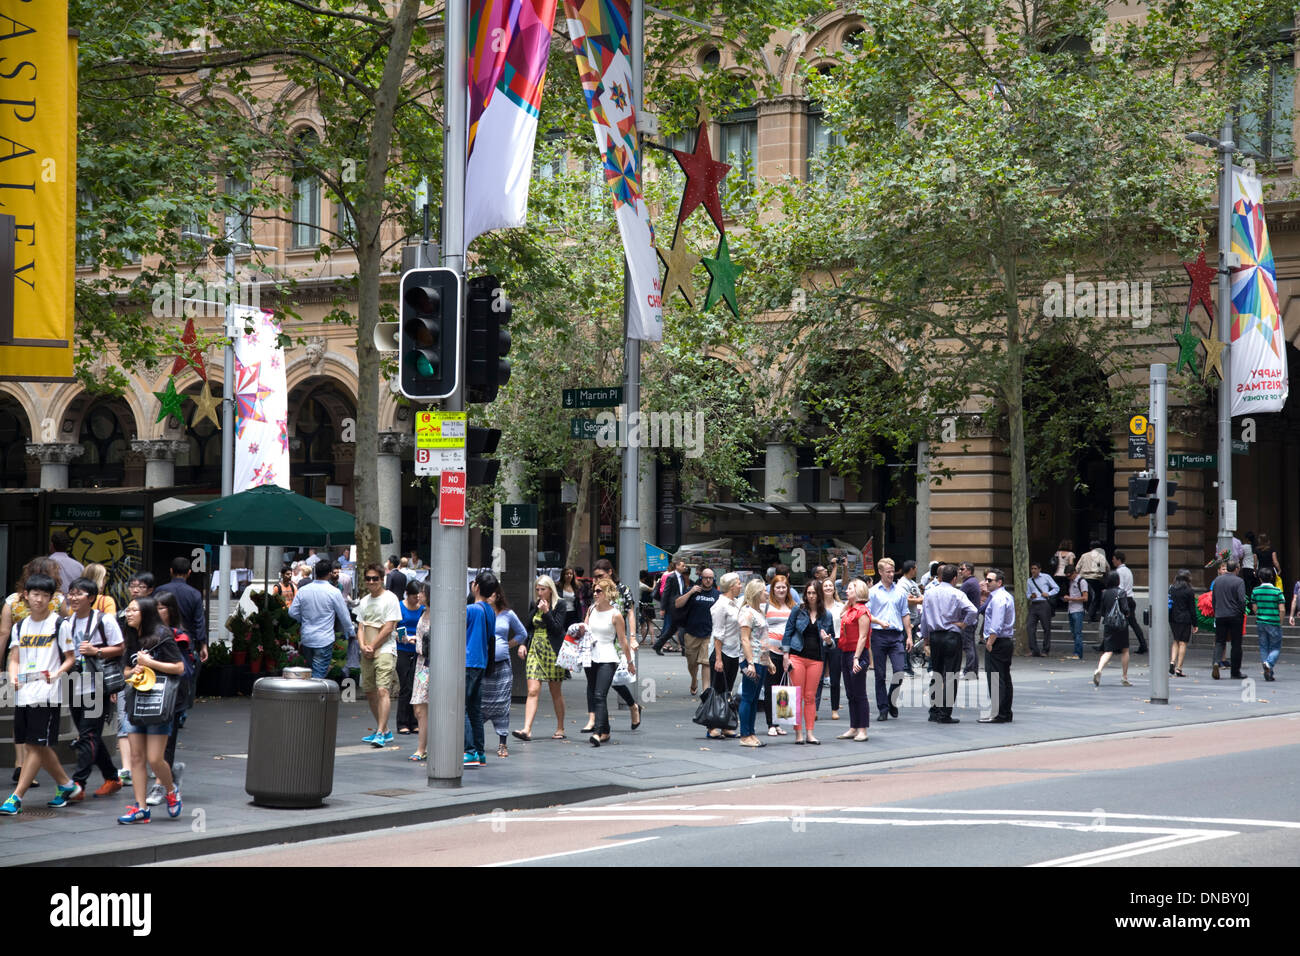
x=1114 y=624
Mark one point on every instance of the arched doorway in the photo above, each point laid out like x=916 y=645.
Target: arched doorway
x=15 y=433
x=1071 y=470
x=107 y=429
x=322 y=420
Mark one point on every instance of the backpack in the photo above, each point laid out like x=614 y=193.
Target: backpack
x=1054 y=567
x=1115 y=618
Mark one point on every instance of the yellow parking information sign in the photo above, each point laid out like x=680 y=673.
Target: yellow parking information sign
x=439 y=442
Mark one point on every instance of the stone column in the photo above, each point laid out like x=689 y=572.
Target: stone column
x=781 y=472
x=923 y=505
x=646 y=502
x=54 y=458
x=159 y=460
x=389 y=477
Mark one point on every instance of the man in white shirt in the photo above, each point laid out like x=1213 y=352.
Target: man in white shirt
x=1130 y=606
x=377 y=615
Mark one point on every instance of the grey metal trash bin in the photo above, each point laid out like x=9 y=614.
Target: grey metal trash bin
x=291 y=737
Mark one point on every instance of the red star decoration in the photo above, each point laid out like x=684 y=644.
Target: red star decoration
x=190 y=356
x=703 y=174
x=1201 y=274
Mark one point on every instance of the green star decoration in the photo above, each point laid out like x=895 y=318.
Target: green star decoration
x=722 y=279
x=171 y=402
x=1187 y=342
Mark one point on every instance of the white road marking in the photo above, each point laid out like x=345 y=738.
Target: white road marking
x=553 y=856
x=1135 y=849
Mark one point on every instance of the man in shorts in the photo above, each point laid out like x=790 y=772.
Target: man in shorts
x=38 y=661
x=377 y=615
x=698 y=604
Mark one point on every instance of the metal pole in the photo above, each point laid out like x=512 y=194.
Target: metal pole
x=1158 y=540
x=227 y=428
x=629 y=528
x=1226 y=148
x=450 y=544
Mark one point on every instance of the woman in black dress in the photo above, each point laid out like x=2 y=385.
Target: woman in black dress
x=1182 y=615
x=1114 y=639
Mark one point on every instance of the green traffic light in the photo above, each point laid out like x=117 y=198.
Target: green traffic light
x=424 y=366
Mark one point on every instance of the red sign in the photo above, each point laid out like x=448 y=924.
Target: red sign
x=451 y=499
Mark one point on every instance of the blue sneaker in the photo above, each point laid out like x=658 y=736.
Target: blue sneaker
x=135 y=814
x=13 y=806
x=64 y=795
x=472 y=759
x=370 y=739
x=388 y=738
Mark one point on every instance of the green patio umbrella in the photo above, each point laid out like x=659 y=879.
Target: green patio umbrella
x=266 y=515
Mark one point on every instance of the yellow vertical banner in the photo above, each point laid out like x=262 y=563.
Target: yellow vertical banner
x=38 y=109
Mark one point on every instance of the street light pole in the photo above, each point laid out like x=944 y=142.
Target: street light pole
x=450 y=544
x=629 y=529
x=1227 y=507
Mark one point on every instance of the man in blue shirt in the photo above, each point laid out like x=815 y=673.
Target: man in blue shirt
x=891 y=618
x=1042 y=588
x=480 y=644
x=317 y=606
x=944 y=612
x=999 y=641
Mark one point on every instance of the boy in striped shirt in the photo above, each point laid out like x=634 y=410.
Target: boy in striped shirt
x=1268 y=600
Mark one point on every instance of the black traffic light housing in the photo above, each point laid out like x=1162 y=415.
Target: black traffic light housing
x=1143 y=496
x=1171 y=489
x=427 y=355
x=478 y=443
x=487 y=339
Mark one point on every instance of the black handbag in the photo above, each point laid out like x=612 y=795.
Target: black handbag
x=717 y=711
x=110 y=669
x=156 y=705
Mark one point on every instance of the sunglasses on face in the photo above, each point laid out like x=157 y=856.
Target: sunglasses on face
x=372 y=579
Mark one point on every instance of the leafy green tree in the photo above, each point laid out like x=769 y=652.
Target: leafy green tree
x=992 y=149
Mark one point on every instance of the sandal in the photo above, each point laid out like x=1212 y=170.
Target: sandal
x=502 y=751
x=418 y=758
x=1179 y=673
x=559 y=735
x=771 y=731
x=714 y=736
x=523 y=735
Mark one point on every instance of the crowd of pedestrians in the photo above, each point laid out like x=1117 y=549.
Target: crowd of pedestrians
x=776 y=649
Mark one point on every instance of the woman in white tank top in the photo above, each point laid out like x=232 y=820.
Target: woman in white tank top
x=606 y=627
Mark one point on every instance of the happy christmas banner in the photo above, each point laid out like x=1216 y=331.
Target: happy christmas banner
x=261 y=402
x=1259 y=367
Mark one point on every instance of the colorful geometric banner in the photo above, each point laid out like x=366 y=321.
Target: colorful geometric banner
x=1259 y=366
x=261 y=402
x=600 y=30
x=509 y=44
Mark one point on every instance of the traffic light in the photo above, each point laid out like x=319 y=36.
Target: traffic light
x=1143 y=496
x=480 y=442
x=1171 y=489
x=487 y=339
x=427 y=347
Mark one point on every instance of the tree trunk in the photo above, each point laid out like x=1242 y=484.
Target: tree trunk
x=584 y=485
x=369 y=217
x=1013 y=391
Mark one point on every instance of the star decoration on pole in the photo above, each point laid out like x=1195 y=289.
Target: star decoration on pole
x=1201 y=274
x=190 y=355
x=171 y=402
x=205 y=406
x=723 y=273
x=1213 y=358
x=1187 y=341
x=703 y=175
x=679 y=264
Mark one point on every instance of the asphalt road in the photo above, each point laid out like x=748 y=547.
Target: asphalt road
x=1207 y=795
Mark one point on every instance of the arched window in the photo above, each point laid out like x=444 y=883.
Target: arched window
x=306 y=194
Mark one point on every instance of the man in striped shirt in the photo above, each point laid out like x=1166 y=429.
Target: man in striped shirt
x=1267 y=601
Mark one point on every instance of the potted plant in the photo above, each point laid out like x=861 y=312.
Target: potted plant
x=218 y=676
x=240 y=628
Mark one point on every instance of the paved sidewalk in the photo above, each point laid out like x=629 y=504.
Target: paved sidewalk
x=378 y=789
